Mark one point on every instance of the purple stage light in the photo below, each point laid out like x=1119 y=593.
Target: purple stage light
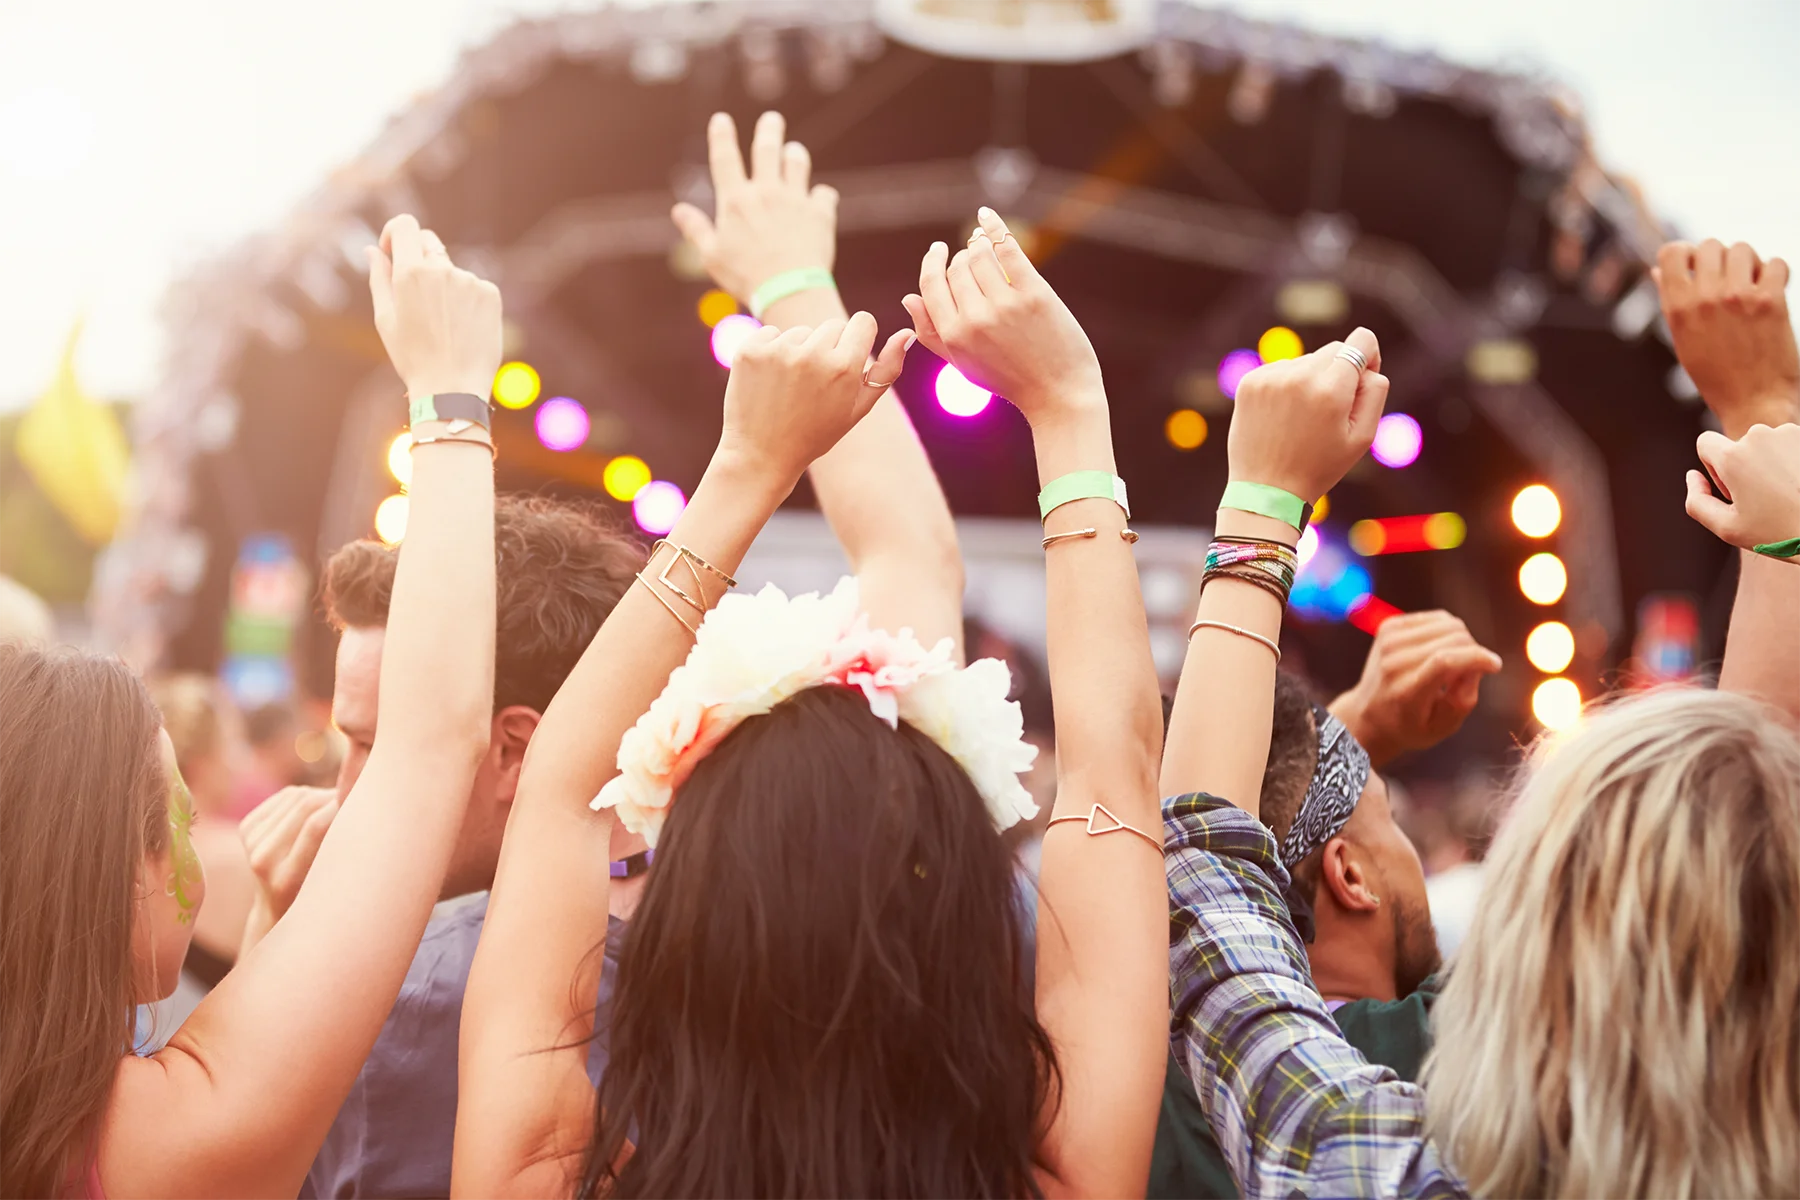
x=729 y=334
x=1398 y=440
x=658 y=506
x=562 y=424
x=958 y=395
x=1233 y=367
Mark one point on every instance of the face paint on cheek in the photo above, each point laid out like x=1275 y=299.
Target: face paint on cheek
x=184 y=864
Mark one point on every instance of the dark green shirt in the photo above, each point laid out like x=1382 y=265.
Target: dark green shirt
x=1187 y=1165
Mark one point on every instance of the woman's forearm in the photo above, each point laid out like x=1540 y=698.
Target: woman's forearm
x=525 y=1111
x=1220 y=726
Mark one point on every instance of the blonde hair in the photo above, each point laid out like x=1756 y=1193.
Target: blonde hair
x=1624 y=1017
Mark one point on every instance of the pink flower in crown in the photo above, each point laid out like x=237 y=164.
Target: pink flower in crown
x=883 y=665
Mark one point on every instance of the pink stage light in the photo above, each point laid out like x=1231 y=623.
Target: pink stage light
x=958 y=395
x=729 y=334
x=658 y=506
x=562 y=424
x=1398 y=440
x=1233 y=367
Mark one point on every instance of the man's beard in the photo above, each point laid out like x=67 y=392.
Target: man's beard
x=1416 y=956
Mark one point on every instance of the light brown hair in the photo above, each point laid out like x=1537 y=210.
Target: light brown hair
x=561 y=566
x=1624 y=1016
x=83 y=799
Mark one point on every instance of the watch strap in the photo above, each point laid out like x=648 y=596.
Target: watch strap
x=450 y=406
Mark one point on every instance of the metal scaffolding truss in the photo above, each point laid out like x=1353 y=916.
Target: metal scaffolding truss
x=140 y=595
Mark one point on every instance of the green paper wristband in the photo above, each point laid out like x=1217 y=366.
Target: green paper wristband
x=1265 y=501
x=788 y=283
x=450 y=406
x=1083 y=485
x=1787 y=549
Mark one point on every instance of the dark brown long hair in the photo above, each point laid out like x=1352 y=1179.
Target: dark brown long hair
x=83 y=796
x=823 y=992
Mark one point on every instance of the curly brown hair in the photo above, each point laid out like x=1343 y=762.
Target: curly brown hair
x=561 y=565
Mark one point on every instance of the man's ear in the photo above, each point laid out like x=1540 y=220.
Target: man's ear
x=1347 y=879
x=512 y=730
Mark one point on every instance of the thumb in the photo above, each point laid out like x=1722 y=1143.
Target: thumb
x=1465 y=694
x=1716 y=451
x=693 y=225
x=1367 y=407
x=381 y=284
x=1706 y=508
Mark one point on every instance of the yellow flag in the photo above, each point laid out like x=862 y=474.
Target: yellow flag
x=76 y=450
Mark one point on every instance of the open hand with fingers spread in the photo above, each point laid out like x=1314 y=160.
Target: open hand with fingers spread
x=793 y=394
x=440 y=323
x=1727 y=311
x=282 y=836
x=767 y=220
x=1299 y=424
x=988 y=311
x=1760 y=475
x=1420 y=682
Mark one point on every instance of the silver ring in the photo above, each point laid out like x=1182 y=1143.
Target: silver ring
x=1354 y=357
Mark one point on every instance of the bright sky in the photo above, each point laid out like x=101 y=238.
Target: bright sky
x=136 y=139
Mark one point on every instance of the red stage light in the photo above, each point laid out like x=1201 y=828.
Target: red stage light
x=1371 y=612
x=1406 y=535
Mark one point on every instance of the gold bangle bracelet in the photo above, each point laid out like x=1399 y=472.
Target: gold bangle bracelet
x=1096 y=827
x=664 y=601
x=442 y=438
x=1197 y=626
x=1070 y=536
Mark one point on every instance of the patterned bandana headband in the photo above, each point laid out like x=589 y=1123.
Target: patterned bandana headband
x=753 y=652
x=1337 y=784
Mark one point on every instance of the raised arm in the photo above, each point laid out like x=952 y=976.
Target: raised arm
x=525 y=1108
x=1728 y=313
x=876 y=487
x=1219 y=730
x=1293 y=1106
x=241 y=1098
x=1102 y=983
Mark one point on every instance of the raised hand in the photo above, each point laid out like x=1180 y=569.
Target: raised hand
x=1760 y=476
x=793 y=394
x=1300 y=423
x=440 y=324
x=988 y=311
x=1727 y=311
x=1421 y=680
x=282 y=837
x=766 y=220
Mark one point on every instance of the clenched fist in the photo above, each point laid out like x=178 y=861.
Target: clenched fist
x=1421 y=680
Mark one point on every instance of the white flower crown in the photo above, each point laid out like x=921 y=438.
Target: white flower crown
x=753 y=652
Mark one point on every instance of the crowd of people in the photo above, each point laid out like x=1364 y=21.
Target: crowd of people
x=633 y=885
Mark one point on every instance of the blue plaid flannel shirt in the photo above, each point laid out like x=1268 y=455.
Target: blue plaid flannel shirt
x=1296 y=1109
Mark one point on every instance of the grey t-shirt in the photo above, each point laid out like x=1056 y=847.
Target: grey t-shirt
x=393 y=1136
